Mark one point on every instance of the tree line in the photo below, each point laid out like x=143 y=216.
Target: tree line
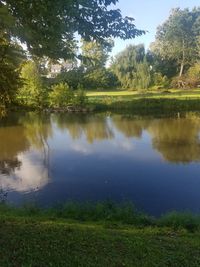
x=171 y=61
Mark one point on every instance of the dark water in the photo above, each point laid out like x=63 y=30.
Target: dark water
x=153 y=162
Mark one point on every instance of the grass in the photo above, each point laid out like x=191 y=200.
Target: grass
x=96 y=235
x=171 y=93
x=144 y=102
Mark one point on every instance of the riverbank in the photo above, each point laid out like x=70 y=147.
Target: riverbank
x=147 y=102
x=77 y=235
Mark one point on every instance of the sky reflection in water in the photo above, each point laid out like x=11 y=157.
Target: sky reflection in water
x=51 y=159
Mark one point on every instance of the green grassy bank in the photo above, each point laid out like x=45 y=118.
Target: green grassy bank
x=96 y=235
x=151 y=101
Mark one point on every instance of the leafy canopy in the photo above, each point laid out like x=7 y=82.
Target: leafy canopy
x=32 y=93
x=95 y=54
x=178 y=38
x=131 y=67
x=49 y=27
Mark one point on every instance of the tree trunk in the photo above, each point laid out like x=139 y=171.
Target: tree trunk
x=183 y=59
x=182 y=68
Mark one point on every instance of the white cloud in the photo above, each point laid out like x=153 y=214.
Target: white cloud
x=31 y=176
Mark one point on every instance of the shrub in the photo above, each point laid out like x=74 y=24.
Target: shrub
x=190 y=80
x=100 y=79
x=194 y=71
x=32 y=93
x=73 y=78
x=160 y=80
x=61 y=96
x=180 y=220
x=80 y=98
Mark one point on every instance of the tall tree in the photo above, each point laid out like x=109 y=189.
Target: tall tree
x=95 y=54
x=177 y=38
x=11 y=56
x=132 y=68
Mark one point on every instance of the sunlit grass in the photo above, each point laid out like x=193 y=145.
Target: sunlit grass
x=172 y=93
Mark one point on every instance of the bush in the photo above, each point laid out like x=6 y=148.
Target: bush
x=80 y=98
x=180 y=220
x=160 y=80
x=190 y=80
x=32 y=93
x=61 y=96
x=100 y=79
x=2 y=110
x=73 y=78
x=194 y=71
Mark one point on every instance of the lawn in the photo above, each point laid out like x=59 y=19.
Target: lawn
x=171 y=93
x=27 y=242
x=153 y=101
x=104 y=235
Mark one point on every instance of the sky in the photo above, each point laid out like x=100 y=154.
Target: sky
x=148 y=15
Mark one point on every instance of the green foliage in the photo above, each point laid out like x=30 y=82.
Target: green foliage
x=2 y=111
x=165 y=66
x=95 y=54
x=32 y=93
x=73 y=78
x=177 y=220
x=194 y=71
x=11 y=57
x=160 y=80
x=49 y=28
x=80 y=98
x=177 y=38
x=101 y=78
x=61 y=96
x=191 y=79
x=31 y=23
x=142 y=76
x=107 y=212
x=131 y=68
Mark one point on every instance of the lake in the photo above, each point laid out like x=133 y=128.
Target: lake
x=50 y=159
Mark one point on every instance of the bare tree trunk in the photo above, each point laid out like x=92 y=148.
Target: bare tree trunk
x=183 y=59
x=181 y=69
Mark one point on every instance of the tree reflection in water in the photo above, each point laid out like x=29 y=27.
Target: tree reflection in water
x=25 y=151
x=18 y=135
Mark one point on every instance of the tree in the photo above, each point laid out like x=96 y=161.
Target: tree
x=73 y=77
x=142 y=76
x=165 y=66
x=32 y=93
x=48 y=27
x=177 y=38
x=11 y=56
x=10 y=59
x=131 y=67
x=95 y=54
x=100 y=78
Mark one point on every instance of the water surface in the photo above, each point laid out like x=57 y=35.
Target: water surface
x=50 y=159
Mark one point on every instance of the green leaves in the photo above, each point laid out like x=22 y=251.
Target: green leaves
x=177 y=38
x=131 y=68
x=61 y=96
x=49 y=27
x=32 y=93
x=11 y=56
